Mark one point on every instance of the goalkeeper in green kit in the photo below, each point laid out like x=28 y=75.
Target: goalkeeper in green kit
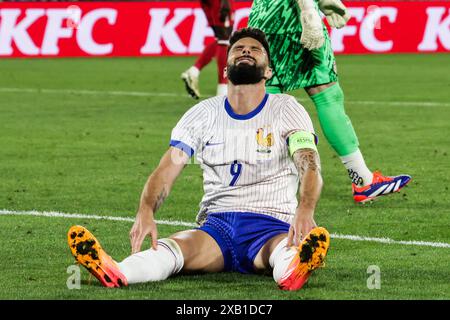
x=302 y=57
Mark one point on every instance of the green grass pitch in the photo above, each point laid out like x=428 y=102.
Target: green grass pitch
x=73 y=139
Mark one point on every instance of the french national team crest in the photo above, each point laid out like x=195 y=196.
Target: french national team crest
x=264 y=139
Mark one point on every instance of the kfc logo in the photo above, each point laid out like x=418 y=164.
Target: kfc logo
x=367 y=22
x=180 y=28
x=60 y=24
x=437 y=29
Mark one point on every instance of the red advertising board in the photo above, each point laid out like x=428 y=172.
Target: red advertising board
x=61 y=29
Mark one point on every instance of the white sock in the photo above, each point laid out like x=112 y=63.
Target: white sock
x=280 y=259
x=153 y=265
x=222 y=89
x=357 y=169
x=194 y=71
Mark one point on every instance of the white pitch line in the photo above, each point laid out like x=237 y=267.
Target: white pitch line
x=391 y=241
x=395 y=103
x=402 y=103
x=52 y=214
x=183 y=95
x=192 y=225
x=94 y=92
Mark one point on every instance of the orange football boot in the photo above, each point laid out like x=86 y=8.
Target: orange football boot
x=87 y=251
x=311 y=255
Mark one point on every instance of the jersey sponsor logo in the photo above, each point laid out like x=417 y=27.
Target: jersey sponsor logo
x=264 y=141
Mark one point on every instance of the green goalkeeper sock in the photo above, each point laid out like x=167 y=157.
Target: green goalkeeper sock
x=335 y=124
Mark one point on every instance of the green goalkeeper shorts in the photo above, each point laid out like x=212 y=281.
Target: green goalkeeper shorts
x=293 y=66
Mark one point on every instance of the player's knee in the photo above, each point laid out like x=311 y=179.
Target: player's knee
x=317 y=89
x=200 y=251
x=328 y=96
x=338 y=93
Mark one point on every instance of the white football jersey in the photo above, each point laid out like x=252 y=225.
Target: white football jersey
x=245 y=158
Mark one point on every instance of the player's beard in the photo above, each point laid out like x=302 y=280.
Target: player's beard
x=245 y=73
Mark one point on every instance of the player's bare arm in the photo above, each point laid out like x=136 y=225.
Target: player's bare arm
x=307 y=162
x=156 y=190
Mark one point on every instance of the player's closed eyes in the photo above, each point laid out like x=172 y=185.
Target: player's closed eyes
x=240 y=48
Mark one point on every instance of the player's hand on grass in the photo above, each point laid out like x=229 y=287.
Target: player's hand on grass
x=303 y=223
x=143 y=226
x=336 y=13
x=312 y=29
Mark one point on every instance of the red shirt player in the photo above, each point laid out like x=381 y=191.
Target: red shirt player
x=220 y=18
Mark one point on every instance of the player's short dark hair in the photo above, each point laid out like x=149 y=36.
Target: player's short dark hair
x=254 y=33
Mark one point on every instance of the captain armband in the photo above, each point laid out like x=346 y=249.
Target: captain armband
x=301 y=140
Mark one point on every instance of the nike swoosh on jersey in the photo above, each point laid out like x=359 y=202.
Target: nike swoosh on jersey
x=209 y=144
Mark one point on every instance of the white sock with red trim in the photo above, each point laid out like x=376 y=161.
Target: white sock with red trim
x=280 y=258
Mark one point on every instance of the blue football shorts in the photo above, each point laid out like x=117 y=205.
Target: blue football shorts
x=240 y=236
